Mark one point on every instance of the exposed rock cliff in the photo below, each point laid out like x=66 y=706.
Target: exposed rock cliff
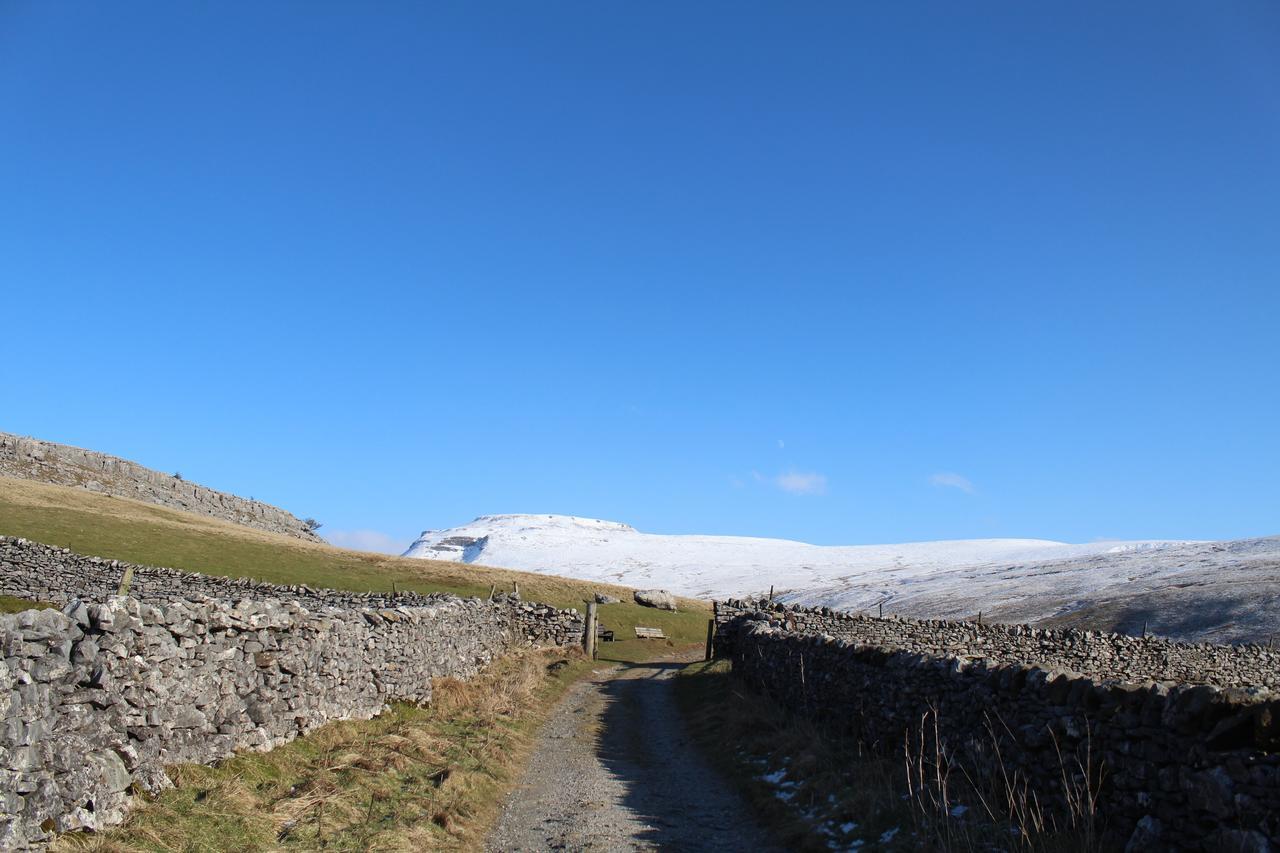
x=62 y=465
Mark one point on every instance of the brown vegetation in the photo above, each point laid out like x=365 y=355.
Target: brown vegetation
x=412 y=779
x=833 y=791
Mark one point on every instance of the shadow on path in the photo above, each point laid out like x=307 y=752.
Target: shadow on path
x=615 y=770
x=667 y=785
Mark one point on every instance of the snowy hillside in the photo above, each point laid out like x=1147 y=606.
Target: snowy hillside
x=1222 y=591
x=716 y=566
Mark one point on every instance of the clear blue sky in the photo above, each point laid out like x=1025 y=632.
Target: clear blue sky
x=838 y=272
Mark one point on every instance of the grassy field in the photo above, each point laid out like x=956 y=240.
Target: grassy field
x=412 y=779
x=124 y=529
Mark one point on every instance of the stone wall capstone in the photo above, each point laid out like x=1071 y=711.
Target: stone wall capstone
x=62 y=465
x=1175 y=765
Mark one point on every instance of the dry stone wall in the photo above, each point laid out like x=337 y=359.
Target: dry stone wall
x=1176 y=764
x=96 y=700
x=40 y=572
x=1101 y=654
x=63 y=465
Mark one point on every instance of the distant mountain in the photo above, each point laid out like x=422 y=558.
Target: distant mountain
x=1225 y=591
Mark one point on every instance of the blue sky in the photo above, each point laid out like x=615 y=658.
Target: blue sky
x=836 y=272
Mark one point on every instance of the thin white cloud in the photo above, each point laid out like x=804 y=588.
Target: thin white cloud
x=367 y=540
x=951 y=480
x=781 y=444
x=794 y=482
x=801 y=483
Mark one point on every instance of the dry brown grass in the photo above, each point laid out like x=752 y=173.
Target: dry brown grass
x=412 y=779
x=891 y=802
x=1007 y=814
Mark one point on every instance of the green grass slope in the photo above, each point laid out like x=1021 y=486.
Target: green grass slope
x=123 y=529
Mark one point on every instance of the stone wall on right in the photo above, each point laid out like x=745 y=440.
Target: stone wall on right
x=1177 y=758
x=1098 y=653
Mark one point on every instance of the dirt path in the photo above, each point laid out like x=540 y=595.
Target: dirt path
x=614 y=770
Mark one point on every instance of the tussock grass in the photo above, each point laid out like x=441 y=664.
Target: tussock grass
x=125 y=529
x=412 y=779
x=837 y=795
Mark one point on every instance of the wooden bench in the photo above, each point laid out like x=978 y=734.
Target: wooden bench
x=644 y=633
x=603 y=633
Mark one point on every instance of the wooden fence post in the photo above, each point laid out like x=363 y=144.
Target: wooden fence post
x=711 y=635
x=125 y=582
x=589 y=637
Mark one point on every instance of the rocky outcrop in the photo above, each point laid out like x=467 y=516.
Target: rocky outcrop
x=1179 y=744
x=63 y=465
x=658 y=598
x=460 y=549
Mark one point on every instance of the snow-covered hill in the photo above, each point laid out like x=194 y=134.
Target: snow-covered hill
x=716 y=566
x=1192 y=590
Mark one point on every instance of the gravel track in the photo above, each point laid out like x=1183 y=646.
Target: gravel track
x=614 y=770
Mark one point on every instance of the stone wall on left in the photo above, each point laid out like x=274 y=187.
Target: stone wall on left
x=96 y=700
x=41 y=572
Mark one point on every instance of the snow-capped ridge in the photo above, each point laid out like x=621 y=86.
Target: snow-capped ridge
x=1198 y=584
x=596 y=549
x=541 y=521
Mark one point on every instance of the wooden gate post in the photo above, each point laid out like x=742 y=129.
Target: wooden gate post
x=711 y=635
x=589 y=638
x=125 y=582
